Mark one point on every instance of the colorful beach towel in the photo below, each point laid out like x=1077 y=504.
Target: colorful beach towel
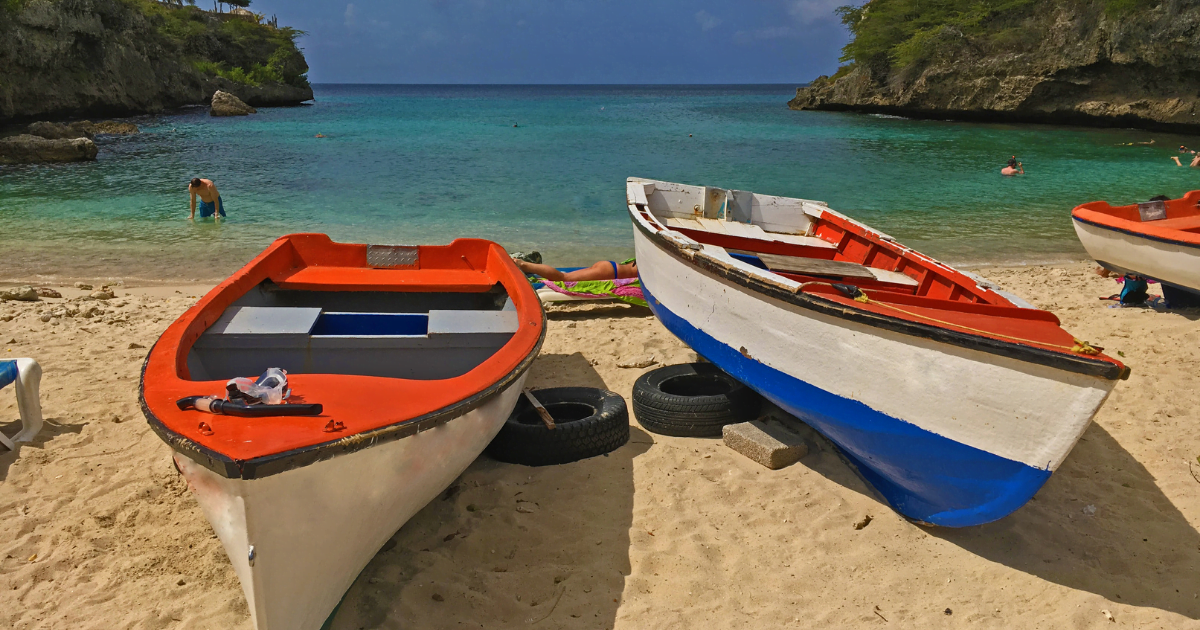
x=627 y=290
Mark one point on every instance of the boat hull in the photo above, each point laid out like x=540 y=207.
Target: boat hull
x=948 y=435
x=313 y=529
x=1170 y=262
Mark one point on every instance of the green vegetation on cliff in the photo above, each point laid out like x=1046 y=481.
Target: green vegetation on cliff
x=233 y=47
x=1093 y=62
x=87 y=58
x=902 y=33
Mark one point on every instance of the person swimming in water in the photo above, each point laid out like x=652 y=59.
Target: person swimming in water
x=211 y=204
x=1195 y=160
x=603 y=270
x=1013 y=168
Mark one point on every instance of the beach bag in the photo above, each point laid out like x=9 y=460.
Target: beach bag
x=1134 y=292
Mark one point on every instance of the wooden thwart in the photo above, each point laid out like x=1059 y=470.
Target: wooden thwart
x=540 y=409
x=815 y=266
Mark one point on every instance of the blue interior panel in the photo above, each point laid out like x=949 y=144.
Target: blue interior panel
x=371 y=324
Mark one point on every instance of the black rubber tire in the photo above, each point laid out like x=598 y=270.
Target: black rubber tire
x=588 y=422
x=692 y=400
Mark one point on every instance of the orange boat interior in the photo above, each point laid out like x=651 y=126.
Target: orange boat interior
x=898 y=281
x=377 y=335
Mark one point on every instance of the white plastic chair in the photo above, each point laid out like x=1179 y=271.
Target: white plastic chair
x=26 y=375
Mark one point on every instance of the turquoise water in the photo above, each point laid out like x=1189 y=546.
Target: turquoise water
x=425 y=164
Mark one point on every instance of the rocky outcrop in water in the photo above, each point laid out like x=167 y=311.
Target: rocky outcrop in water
x=61 y=131
x=74 y=58
x=81 y=129
x=27 y=149
x=1054 y=62
x=226 y=104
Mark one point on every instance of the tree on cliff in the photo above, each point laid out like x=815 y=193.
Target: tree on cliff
x=893 y=34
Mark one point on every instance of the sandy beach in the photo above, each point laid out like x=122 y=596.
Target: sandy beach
x=98 y=531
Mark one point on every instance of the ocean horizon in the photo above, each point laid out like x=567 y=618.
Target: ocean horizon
x=424 y=164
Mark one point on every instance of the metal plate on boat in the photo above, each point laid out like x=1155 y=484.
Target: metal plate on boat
x=393 y=257
x=1152 y=210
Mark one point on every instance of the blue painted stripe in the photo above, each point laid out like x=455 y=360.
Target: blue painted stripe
x=8 y=373
x=924 y=476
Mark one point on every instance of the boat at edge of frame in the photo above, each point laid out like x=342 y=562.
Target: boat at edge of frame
x=417 y=354
x=1156 y=240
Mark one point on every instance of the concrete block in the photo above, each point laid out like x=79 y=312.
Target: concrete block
x=765 y=441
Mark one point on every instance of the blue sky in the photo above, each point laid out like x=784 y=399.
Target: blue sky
x=564 y=41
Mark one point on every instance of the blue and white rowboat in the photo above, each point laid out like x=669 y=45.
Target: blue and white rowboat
x=954 y=400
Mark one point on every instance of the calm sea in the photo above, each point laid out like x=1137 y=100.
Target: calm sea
x=426 y=164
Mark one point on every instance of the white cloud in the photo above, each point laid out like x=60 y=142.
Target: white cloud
x=706 y=20
x=350 y=15
x=809 y=11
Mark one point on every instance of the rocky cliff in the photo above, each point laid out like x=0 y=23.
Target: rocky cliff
x=1108 y=63
x=66 y=58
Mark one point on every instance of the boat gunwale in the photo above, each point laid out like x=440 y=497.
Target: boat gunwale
x=1107 y=369
x=1132 y=232
x=1103 y=215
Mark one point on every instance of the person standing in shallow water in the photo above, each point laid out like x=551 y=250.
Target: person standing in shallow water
x=210 y=199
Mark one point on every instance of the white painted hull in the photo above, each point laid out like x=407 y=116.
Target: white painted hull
x=1175 y=263
x=949 y=435
x=314 y=528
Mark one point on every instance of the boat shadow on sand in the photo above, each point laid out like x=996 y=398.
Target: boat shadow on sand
x=1100 y=524
x=507 y=546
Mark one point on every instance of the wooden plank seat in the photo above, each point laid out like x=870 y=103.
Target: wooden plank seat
x=745 y=230
x=439 y=344
x=815 y=266
x=838 y=268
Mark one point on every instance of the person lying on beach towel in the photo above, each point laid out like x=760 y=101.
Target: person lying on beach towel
x=606 y=279
x=603 y=270
x=628 y=290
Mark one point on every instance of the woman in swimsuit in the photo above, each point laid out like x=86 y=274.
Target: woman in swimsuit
x=603 y=270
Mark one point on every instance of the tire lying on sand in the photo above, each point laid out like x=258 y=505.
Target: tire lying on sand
x=692 y=400
x=588 y=422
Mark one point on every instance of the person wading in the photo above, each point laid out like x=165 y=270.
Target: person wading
x=210 y=199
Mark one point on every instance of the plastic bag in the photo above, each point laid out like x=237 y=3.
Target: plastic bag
x=270 y=389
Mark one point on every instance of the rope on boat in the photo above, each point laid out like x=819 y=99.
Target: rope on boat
x=1081 y=347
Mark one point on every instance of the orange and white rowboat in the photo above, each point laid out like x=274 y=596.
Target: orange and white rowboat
x=1155 y=239
x=417 y=356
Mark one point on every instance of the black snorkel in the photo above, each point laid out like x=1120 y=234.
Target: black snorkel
x=216 y=406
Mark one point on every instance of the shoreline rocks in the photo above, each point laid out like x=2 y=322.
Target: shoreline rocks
x=80 y=129
x=28 y=149
x=226 y=104
x=19 y=294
